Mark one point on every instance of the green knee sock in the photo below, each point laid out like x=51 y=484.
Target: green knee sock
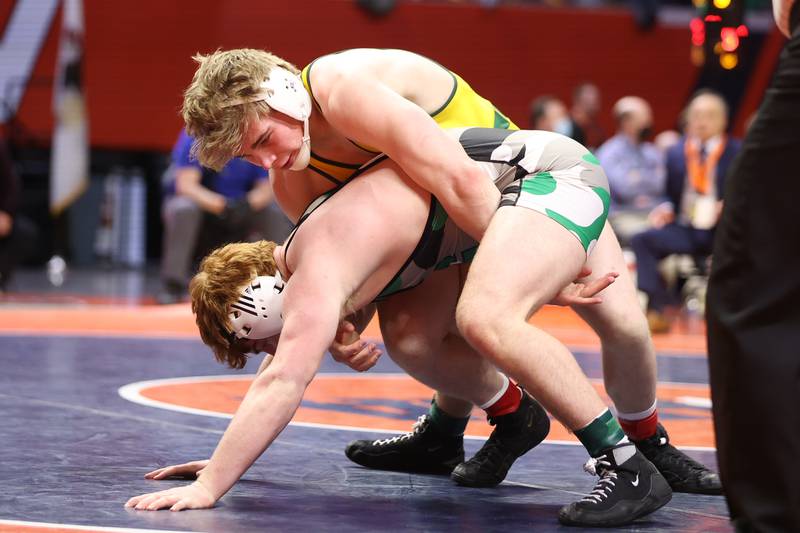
x=449 y=425
x=601 y=433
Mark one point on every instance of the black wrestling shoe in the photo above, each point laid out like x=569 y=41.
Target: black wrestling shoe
x=683 y=473
x=630 y=487
x=514 y=434
x=424 y=451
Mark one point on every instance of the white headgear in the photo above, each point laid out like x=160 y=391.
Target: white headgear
x=257 y=314
x=284 y=92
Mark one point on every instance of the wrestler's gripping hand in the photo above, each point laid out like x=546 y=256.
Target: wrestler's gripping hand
x=350 y=349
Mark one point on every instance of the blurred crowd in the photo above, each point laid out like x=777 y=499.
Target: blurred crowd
x=666 y=196
x=666 y=187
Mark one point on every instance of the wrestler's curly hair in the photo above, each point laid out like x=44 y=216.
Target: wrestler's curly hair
x=218 y=285
x=220 y=77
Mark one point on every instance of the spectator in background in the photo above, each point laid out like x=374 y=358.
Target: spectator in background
x=584 y=114
x=666 y=140
x=17 y=234
x=634 y=166
x=235 y=204
x=696 y=169
x=548 y=113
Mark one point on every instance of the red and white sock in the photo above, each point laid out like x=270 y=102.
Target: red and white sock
x=641 y=425
x=505 y=401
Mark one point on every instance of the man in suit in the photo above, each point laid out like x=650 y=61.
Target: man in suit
x=684 y=224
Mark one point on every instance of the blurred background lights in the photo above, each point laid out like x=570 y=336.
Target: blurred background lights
x=729 y=40
x=728 y=60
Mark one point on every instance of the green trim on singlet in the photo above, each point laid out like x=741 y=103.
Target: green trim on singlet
x=396 y=285
x=308 y=82
x=539 y=184
x=446 y=262
x=452 y=93
x=500 y=121
x=466 y=257
x=543 y=183
x=439 y=218
x=591 y=158
x=469 y=254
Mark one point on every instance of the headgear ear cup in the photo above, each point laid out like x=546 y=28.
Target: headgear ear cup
x=285 y=93
x=258 y=313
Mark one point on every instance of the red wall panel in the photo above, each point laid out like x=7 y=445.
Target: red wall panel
x=138 y=55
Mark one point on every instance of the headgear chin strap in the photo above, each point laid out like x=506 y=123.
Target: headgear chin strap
x=257 y=314
x=284 y=92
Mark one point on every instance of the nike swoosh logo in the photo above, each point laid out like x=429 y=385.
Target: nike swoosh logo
x=635 y=482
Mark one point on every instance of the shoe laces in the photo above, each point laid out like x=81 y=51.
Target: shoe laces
x=674 y=459
x=602 y=490
x=491 y=454
x=419 y=427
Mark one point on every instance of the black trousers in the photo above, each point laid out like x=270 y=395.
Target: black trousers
x=754 y=313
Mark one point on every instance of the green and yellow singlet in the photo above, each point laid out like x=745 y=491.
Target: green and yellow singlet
x=464 y=108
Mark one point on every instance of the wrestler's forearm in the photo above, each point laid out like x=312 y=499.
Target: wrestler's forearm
x=267 y=408
x=405 y=132
x=466 y=192
x=471 y=201
x=272 y=399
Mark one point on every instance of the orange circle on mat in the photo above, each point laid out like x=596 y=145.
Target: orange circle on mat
x=331 y=400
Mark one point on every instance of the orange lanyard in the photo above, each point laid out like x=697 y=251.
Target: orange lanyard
x=700 y=172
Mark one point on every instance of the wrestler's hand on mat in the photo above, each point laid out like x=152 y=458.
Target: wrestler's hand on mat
x=581 y=292
x=190 y=470
x=194 y=496
x=350 y=349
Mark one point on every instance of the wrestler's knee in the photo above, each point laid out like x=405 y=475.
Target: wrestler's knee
x=627 y=327
x=480 y=326
x=411 y=346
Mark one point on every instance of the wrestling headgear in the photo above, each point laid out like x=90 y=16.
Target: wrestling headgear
x=257 y=314
x=284 y=92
